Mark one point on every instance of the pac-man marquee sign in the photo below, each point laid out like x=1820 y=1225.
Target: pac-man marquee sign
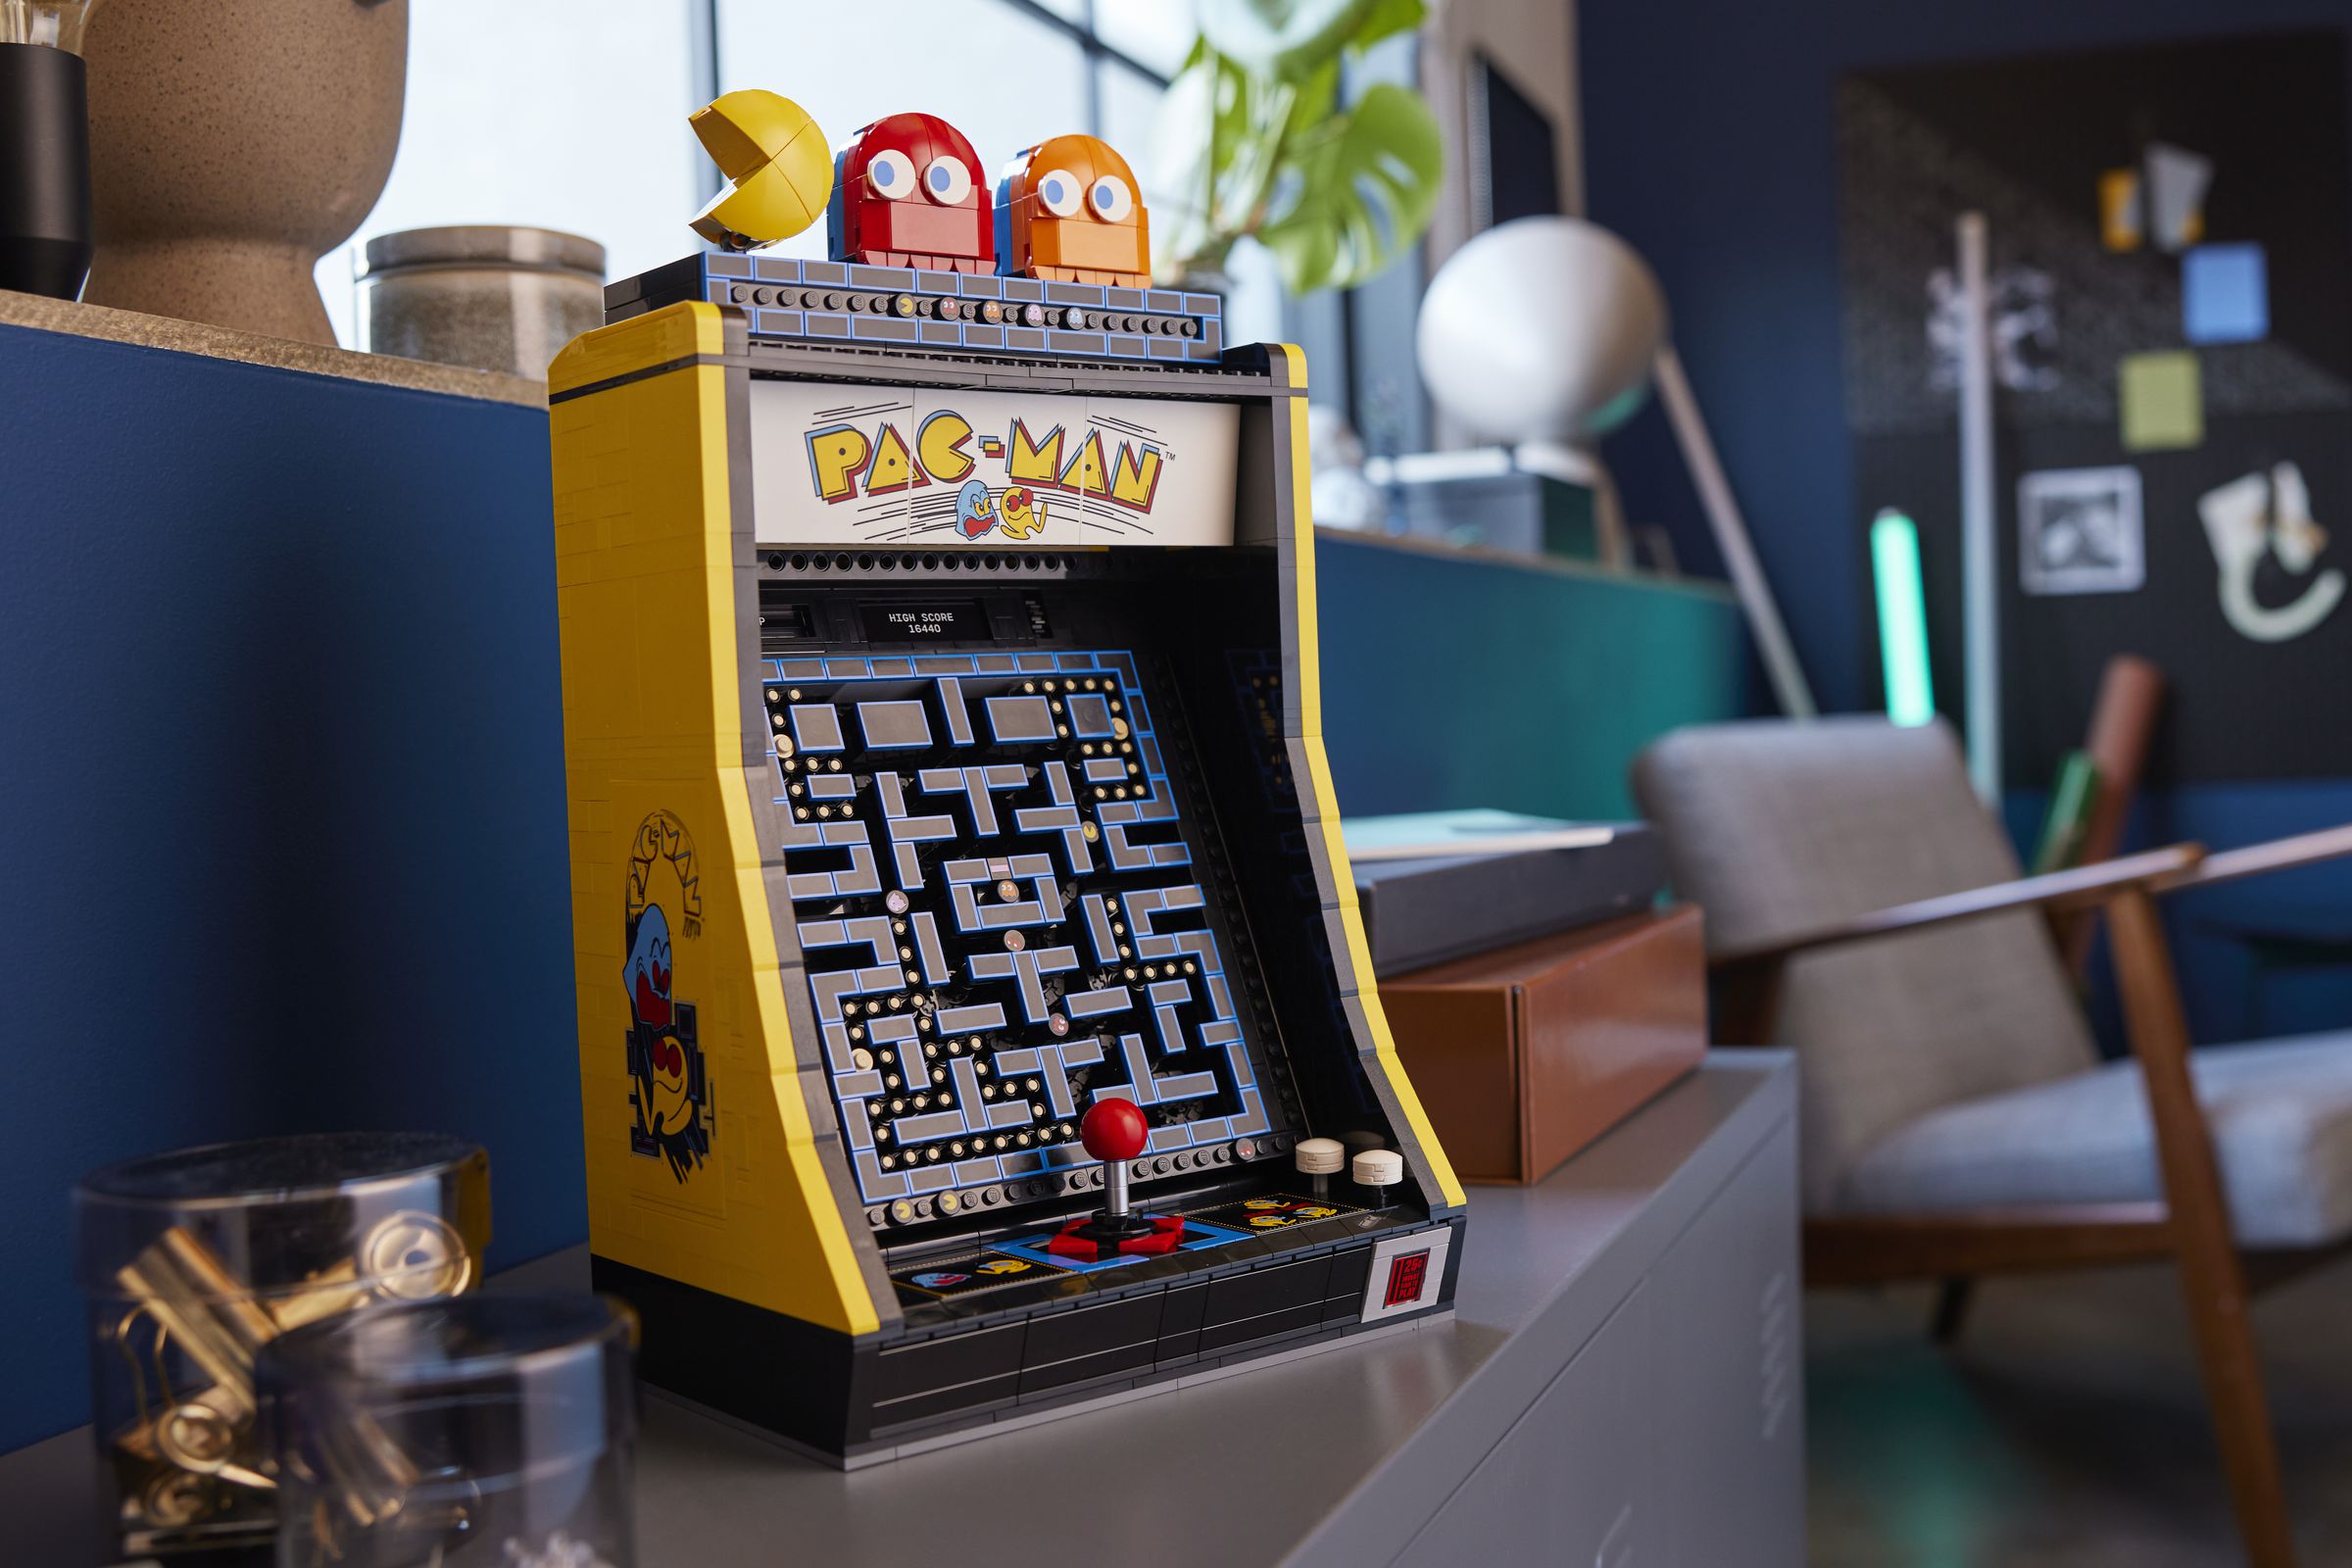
x=907 y=467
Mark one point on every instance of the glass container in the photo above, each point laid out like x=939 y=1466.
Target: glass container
x=490 y=298
x=489 y=1431
x=49 y=24
x=192 y=1261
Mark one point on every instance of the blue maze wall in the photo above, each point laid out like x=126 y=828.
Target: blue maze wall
x=1119 y=991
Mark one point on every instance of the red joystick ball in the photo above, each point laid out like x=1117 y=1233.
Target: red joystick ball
x=1114 y=1129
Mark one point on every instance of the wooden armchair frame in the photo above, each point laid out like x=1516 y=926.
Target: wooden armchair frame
x=2189 y=1224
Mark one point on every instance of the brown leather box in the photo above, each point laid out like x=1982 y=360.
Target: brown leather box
x=1524 y=1055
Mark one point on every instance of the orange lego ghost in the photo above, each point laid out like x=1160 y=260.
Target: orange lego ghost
x=1067 y=212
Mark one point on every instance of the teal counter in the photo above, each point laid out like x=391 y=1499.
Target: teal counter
x=1456 y=678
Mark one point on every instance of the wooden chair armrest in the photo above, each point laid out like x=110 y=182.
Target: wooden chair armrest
x=1749 y=976
x=2260 y=860
x=2059 y=889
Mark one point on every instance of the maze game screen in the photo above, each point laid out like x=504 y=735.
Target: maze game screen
x=1001 y=882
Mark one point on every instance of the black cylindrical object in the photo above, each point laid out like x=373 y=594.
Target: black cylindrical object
x=45 y=232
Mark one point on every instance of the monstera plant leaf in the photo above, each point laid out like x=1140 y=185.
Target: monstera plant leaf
x=1253 y=141
x=1287 y=39
x=1213 y=155
x=1363 y=189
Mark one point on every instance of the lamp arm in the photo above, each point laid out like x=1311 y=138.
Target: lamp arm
x=1731 y=536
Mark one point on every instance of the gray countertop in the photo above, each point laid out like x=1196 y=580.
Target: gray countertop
x=1335 y=1457
x=101 y=321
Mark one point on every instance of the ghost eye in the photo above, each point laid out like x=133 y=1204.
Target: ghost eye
x=892 y=174
x=1111 y=199
x=1059 y=190
x=946 y=181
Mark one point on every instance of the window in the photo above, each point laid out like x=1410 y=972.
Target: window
x=560 y=114
x=571 y=114
x=1006 y=77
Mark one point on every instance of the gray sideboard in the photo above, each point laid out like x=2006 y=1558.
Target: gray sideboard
x=1620 y=1384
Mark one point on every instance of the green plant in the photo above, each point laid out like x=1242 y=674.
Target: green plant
x=1253 y=142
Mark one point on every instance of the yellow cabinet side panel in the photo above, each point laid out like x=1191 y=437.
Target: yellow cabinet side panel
x=1318 y=788
x=702 y=1160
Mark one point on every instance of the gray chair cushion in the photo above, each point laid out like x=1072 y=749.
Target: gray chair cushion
x=2281 y=1114
x=1776 y=827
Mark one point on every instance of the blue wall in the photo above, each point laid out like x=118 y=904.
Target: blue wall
x=282 y=778
x=1709 y=128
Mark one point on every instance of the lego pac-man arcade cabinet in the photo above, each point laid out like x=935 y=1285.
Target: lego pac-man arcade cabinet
x=943 y=763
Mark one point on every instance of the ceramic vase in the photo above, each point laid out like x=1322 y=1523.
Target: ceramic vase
x=235 y=144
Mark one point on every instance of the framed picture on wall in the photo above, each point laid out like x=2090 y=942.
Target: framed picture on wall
x=2080 y=531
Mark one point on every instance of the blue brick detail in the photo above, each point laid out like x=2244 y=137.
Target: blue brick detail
x=1074 y=294
x=1213 y=337
x=882 y=328
x=1025 y=338
x=1123 y=299
x=777 y=268
x=720 y=291
x=1075 y=342
x=1023 y=288
x=949 y=333
x=726 y=267
x=829 y=273
x=896 y=279
x=1129 y=345
x=980 y=335
x=1203 y=305
x=1167 y=348
x=980 y=286
x=820 y=325
x=935 y=283
x=776 y=323
x=1202 y=351
x=1166 y=300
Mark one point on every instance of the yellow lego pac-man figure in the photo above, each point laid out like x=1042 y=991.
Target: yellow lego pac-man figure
x=779 y=172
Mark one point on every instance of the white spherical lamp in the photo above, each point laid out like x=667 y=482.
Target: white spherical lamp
x=1541 y=330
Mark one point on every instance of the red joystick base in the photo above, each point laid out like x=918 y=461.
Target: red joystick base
x=1114 y=1132
x=1088 y=1241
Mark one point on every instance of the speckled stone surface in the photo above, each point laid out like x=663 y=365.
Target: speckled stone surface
x=233 y=145
x=192 y=337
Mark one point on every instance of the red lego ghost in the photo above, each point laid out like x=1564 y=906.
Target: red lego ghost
x=907 y=192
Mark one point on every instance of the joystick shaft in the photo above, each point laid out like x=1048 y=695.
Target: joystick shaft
x=1114 y=1189
x=1114 y=1132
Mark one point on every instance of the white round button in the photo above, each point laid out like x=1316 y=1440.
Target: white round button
x=1379 y=1167
x=1320 y=1156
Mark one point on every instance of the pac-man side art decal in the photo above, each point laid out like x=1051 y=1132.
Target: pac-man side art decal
x=669 y=1090
x=889 y=465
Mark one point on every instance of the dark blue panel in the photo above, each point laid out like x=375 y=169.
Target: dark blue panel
x=1708 y=137
x=284 y=776
x=1709 y=144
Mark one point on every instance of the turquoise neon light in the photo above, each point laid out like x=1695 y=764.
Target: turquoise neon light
x=1902 y=618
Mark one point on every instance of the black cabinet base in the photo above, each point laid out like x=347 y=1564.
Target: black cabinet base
x=851 y=1401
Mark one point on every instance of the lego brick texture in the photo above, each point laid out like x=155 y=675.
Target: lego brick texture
x=285 y=766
